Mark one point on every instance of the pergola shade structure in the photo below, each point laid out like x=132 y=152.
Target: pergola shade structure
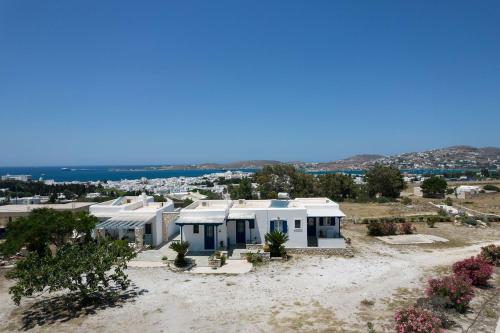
x=125 y=222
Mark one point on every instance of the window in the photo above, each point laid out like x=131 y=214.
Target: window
x=279 y=225
x=251 y=224
x=297 y=224
x=196 y=229
x=147 y=229
x=321 y=221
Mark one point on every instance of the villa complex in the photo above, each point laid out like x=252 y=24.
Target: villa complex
x=214 y=224
x=137 y=219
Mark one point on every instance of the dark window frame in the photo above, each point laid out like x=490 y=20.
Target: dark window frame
x=299 y=224
x=196 y=229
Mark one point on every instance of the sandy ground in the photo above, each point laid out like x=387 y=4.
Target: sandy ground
x=305 y=294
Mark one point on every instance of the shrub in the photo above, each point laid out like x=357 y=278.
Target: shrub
x=469 y=220
x=456 y=291
x=376 y=228
x=254 y=258
x=442 y=212
x=476 y=269
x=181 y=248
x=413 y=320
x=491 y=254
x=448 y=202
x=491 y=188
x=406 y=228
x=430 y=223
x=405 y=201
x=276 y=240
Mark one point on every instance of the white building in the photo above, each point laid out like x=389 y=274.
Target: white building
x=23 y=178
x=465 y=191
x=134 y=218
x=37 y=199
x=309 y=222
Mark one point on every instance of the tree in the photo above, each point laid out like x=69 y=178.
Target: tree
x=384 y=180
x=485 y=173
x=45 y=227
x=276 y=240
x=88 y=269
x=242 y=191
x=181 y=248
x=434 y=187
x=337 y=187
x=76 y=262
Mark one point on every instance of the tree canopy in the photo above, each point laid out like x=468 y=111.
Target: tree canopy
x=242 y=191
x=386 y=181
x=44 y=227
x=62 y=255
x=434 y=187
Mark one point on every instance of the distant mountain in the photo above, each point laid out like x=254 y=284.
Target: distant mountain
x=455 y=157
x=251 y=164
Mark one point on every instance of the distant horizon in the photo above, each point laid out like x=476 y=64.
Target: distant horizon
x=228 y=162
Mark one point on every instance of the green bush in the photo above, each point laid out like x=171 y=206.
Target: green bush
x=430 y=223
x=469 y=220
x=181 y=248
x=491 y=188
x=448 y=201
x=254 y=258
x=491 y=254
x=406 y=201
x=276 y=241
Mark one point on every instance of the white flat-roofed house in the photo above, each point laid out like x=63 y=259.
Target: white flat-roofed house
x=466 y=191
x=214 y=224
x=137 y=219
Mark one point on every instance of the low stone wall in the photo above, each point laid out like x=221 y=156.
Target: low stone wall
x=345 y=252
x=254 y=246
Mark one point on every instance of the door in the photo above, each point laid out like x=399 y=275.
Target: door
x=311 y=227
x=209 y=237
x=240 y=231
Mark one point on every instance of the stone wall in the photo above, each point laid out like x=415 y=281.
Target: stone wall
x=167 y=217
x=346 y=252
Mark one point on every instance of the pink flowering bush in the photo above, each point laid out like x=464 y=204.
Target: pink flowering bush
x=455 y=290
x=406 y=228
x=413 y=320
x=476 y=269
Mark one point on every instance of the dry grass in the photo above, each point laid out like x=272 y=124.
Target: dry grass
x=485 y=203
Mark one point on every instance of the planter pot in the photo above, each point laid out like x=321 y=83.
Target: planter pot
x=214 y=263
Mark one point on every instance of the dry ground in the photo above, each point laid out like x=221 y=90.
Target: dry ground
x=305 y=294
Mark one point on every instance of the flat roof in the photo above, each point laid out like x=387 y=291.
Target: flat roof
x=29 y=208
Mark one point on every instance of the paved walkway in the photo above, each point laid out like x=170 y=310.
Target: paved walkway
x=231 y=267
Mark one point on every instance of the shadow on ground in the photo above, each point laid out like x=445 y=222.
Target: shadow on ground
x=60 y=309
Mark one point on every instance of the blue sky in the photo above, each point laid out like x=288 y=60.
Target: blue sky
x=147 y=82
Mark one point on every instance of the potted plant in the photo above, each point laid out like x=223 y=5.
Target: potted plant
x=216 y=260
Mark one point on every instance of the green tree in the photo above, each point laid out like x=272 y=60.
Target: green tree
x=384 y=180
x=434 y=187
x=485 y=173
x=88 y=269
x=77 y=263
x=242 y=191
x=337 y=187
x=273 y=179
x=45 y=227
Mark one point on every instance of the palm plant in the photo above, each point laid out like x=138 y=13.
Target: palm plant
x=181 y=248
x=276 y=241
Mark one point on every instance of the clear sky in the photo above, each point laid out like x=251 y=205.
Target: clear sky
x=147 y=82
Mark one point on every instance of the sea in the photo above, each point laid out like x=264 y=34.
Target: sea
x=95 y=173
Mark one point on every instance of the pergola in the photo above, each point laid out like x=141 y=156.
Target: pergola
x=204 y=220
